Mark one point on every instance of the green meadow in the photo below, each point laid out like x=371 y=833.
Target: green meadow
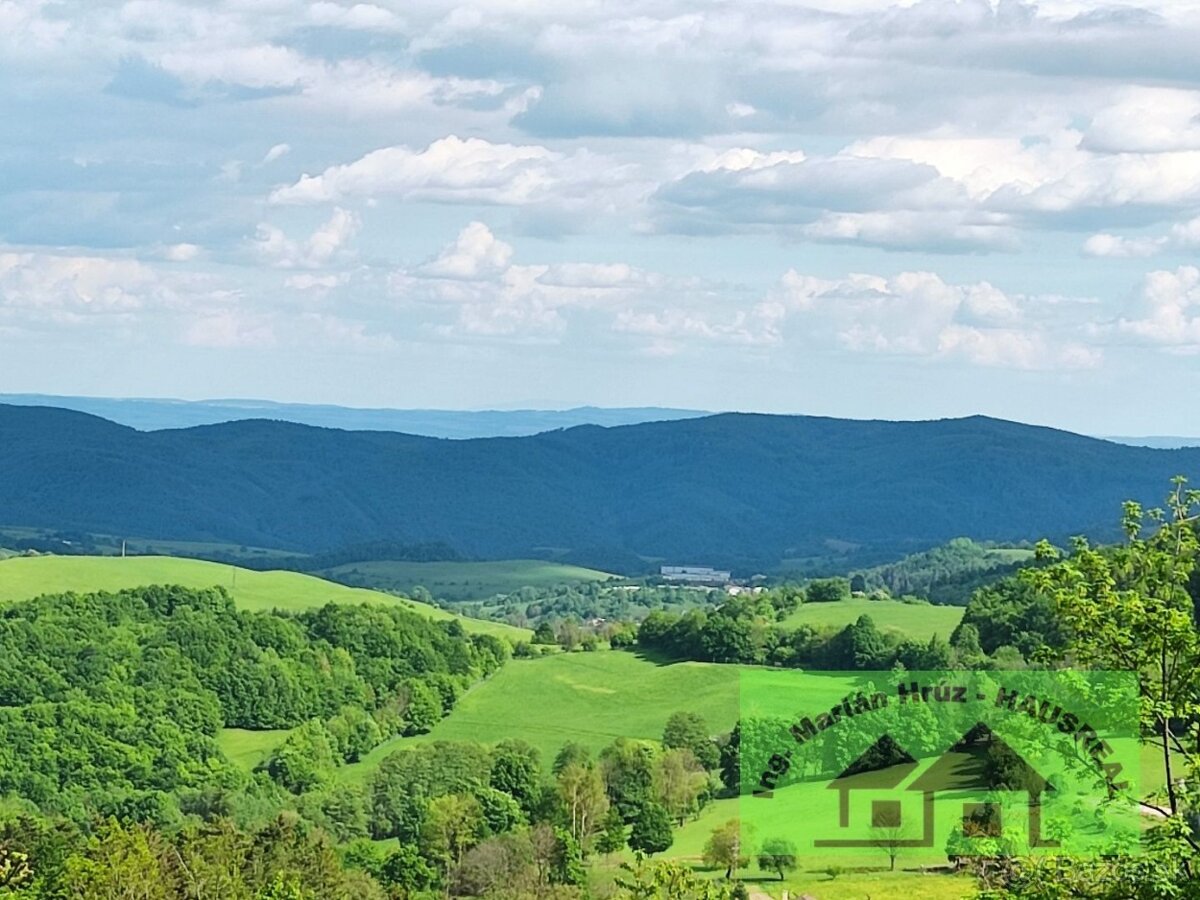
x=463 y=580
x=589 y=698
x=248 y=748
x=29 y=576
x=866 y=878
x=919 y=621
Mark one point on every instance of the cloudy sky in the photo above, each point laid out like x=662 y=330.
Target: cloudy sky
x=839 y=207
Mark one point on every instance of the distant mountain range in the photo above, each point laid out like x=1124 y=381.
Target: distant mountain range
x=731 y=489
x=155 y=415
x=1160 y=442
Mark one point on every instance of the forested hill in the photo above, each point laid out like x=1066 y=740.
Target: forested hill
x=718 y=489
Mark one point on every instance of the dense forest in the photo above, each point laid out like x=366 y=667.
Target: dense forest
x=110 y=703
x=656 y=490
x=946 y=574
x=112 y=779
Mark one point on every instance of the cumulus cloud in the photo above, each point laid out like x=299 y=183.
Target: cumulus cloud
x=321 y=248
x=1182 y=236
x=74 y=289
x=1147 y=120
x=450 y=170
x=493 y=295
x=946 y=193
x=1117 y=247
x=622 y=130
x=1169 y=307
x=478 y=281
x=475 y=253
x=918 y=314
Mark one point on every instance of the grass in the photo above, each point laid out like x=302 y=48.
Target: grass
x=29 y=576
x=914 y=620
x=247 y=749
x=463 y=580
x=859 y=878
x=591 y=699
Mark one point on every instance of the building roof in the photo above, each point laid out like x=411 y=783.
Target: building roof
x=881 y=766
x=963 y=768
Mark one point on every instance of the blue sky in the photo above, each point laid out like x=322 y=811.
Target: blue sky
x=844 y=208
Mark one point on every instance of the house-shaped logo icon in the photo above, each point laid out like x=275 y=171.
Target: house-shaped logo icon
x=885 y=790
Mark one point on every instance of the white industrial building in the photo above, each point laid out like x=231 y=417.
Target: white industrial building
x=695 y=574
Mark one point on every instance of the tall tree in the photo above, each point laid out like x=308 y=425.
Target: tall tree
x=453 y=824
x=581 y=789
x=688 y=730
x=1128 y=609
x=679 y=780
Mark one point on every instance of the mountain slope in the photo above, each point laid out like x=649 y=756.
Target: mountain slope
x=721 y=488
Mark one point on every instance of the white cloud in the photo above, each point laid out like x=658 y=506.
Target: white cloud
x=276 y=152
x=450 y=169
x=321 y=248
x=1147 y=120
x=363 y=16
x=1115 y=246
x=181 y=252
x=492 y=295
x=918 y=314
x=72 y=289
x=940 y=193
x=1170 y=308
x=1181 y=236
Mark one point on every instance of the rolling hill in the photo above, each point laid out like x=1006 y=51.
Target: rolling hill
x=148 y=414
x=29 y=576
x=743 y=490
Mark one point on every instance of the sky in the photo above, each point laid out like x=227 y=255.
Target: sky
x=837 y=207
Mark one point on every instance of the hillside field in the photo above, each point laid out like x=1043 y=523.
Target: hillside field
x=462 y=580
x=918 y=621
x=28 y=576
x=590 y=698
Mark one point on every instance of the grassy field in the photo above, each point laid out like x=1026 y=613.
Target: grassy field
x=915 y=620
x=28 y=576
x=859 y=879
x=462 y=580
x=248 y=748
x=592 y=698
